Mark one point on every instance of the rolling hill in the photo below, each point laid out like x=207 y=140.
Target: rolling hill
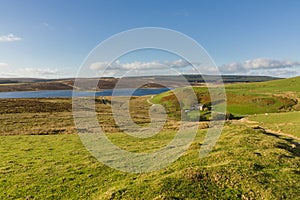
x=247 y=98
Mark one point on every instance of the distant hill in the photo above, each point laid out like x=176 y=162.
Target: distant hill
x=288 y=86
x=32 y=84
x=229 y=78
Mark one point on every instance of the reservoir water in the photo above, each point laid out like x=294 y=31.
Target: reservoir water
x=69 y=93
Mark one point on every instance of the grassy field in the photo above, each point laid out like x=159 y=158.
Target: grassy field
x=288 y=86
x=287 y=123
x=41 y=157
x=264 y=97
x=245 y=164
x=247 y=98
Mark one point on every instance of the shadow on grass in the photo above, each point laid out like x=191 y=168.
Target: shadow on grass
x=293 y=146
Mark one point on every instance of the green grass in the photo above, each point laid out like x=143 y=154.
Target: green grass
x=245 y=98
x=245 y=163
x=287 y=123
x=282 y=86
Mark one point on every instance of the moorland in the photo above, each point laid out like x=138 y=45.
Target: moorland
x=34 y=84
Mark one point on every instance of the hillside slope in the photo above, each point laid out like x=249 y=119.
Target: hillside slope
x=248 y=98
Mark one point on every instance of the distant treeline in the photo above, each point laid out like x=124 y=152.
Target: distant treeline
x=8 y=81
x=230 y=78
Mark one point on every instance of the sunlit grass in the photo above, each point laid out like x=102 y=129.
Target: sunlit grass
x=288 y=123
x=245 y=163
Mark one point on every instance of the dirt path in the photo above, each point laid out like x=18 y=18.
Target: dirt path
x=149 y=100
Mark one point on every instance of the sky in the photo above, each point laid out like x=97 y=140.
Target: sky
x=51 y=39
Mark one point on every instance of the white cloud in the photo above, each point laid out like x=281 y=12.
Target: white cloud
x=258 y=64
x=139 y=65
x=134 y=65
x=119 y=69
x=177 y=63
x=9 y=38
x=99 y=66
x=136 y=68
x=32 y=73
x=261 y=63
x=39 y=72
x=2 y=64
x=8 y=75
x=286 y=72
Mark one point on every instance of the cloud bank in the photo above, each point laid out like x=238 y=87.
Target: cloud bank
x=9 y=38
x=39 y=72
x=258 y=64
x=136 y=68
x=29 y=72
x=255 y=67
x=136 y=65
x=2 y=64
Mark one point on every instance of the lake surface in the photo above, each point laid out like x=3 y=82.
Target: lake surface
x=69 y=93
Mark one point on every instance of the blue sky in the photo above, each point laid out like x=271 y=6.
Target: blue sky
x=50 y=39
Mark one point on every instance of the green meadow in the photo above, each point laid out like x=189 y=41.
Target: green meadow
x=245 y=164
x=285 y=123
x=246 y=98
